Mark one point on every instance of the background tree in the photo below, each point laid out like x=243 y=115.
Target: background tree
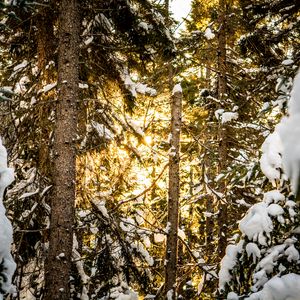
x=173 y=194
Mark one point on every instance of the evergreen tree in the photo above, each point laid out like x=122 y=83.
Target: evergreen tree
x=7 y=264
x=117 y=37
x=267 y=252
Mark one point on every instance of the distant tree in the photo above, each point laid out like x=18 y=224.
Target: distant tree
x=173 y=195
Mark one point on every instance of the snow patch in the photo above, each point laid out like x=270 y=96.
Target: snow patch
x=8 y=266
x=227 y=264
x=271 y=161
x=177 y=89
x=256 y=223
x=289 y=131
x=286 y=287
x=209 y=34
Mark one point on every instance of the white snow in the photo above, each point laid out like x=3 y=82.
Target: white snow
x=47 y=88
x=135 y=88
x=256 y=223
x=253 y=250
x=89 y=40
x=289 y=131
x=275 y=210
x=84 y=294
x=181 y=234
x=144 y=89
x=225 y=116
x=209 y=34
x=20 y=66
x=140 y=248
x=218 y=113
x=229 y=116
x=103 y=132
x=227 y=264
x=271 y=161
x=20 y=87
x=287 y=62
x=94 y=230
x=170 y=295
x=232 y=296
x=130 y=85
x=130 y=296
x=144 y=25
x=177 y=89
x=127 y=224
x=29 y=194
x=135 y=126
x=292 y=253
x=79 y=262
x=6 y=230
x=101 y=206
x=294 y=103
x=168 y=227
x=273 y=196
x=286 y=287
x=268 y=262
x=159 y=238
x=83 y=86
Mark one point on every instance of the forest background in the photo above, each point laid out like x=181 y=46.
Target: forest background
x=91 y=96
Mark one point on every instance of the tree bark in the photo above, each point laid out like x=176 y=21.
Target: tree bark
x=46 y=38
x=223 y=155
x=46 y=44
x=173 y=203
x=58 y=262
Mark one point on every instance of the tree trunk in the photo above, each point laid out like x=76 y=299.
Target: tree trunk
x=223 y=157
x=58 y=262
x=46 y=38
x=173 y=203
x=46 y=44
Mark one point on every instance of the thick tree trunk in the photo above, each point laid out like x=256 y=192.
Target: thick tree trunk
x=223 y=155
x=58 y=262
x=173 y=203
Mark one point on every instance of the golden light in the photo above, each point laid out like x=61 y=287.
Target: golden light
x=148 y=139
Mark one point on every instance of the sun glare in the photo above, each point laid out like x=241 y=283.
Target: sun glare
x=148 y=139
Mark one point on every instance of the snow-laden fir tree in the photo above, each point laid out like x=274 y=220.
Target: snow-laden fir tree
x=265 y=263
x=118 y=38
x=7 y=264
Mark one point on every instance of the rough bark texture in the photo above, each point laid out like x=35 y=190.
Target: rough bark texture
x=46 y=44
x=223 y=155
x=46 y=38
x=173 y=203
x=58 y=262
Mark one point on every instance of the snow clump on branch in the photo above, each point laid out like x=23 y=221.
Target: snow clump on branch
x=289 y=131
x=7 y=264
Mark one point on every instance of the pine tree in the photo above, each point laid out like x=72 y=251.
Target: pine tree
x=117 y=37
x=267 y=252
x=58 y=262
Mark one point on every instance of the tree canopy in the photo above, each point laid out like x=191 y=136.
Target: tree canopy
x=87 y=103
